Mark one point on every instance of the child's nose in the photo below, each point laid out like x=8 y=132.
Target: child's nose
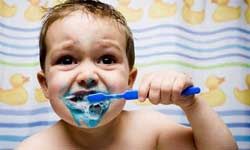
x=88 y=83
x=87 y=77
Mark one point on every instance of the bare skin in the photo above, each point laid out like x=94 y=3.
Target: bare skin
x=125 y=132
x=76 y=37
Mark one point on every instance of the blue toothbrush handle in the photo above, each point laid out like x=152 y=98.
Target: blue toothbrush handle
x=191 y=90
x=130 y=95
x=133 y=94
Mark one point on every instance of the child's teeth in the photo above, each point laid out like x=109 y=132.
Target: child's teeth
x=95 y=109
x=79 y=97
x=83 y=111
x=82 y=105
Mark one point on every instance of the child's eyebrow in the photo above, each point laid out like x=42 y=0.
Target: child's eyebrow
x=110 y=43
x=68 y=45
x=65 y=45
x=62 y=46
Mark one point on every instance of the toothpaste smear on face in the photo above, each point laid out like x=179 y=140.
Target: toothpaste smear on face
x=84 y=112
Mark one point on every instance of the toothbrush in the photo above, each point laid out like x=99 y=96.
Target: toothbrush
x=133 y=94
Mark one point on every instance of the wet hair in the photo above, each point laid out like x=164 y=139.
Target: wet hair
x=90 y=7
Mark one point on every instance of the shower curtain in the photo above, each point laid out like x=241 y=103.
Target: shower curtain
x=208 y=39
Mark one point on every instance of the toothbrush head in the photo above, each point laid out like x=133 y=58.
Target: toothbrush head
x=127 y=95
x=95 y=98
x=79 y=95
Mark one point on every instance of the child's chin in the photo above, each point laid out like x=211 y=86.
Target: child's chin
x=85 y=126
x=114 y=111
x=96 y=121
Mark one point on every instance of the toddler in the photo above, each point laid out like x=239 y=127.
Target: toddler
x=86 y=47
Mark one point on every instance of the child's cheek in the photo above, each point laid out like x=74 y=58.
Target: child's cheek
x=117 y=88
x=118 y=85
x=56 y=86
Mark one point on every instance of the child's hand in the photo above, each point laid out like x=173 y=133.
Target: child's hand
x=165 y=88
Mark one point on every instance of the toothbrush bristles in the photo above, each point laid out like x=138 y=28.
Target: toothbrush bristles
x=70 y=96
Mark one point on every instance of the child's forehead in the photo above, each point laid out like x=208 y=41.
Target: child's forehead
x=83 y=19
x=82 y=24
x=82 y=28
x=91 y=17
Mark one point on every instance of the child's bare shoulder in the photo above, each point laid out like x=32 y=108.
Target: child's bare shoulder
x=163 y=128
x=153 y=121
x=41 y=139
x=157 y=120
x=31 y=142
x=168 y=132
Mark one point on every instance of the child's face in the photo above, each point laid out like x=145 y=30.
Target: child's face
x=85 y=53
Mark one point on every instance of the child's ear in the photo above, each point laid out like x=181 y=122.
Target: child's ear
x=43 y=83
x=132 y=77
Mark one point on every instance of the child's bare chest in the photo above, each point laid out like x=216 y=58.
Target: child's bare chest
x=125 y=146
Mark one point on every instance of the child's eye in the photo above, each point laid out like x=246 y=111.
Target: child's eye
x=66 y=60
x=107 y=59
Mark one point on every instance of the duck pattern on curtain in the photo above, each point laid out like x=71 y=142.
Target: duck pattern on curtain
x=208 y=39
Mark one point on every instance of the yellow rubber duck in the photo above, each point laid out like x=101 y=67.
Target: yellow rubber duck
x=17 y=95
x=160 y=9
x=7 y=10
x=34 y=12
x=247 y=13
x=214 y=96
x=145 y=103
x=191 y=16
x=130 y=14
x=224 y=12
x=56 y=2
x=243 y=96
x=39 y=96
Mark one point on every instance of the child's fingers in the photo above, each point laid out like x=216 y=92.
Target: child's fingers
x=178 y=86
x=166 y=90
x=144 y=87
x=155 y=90
x=182 y=81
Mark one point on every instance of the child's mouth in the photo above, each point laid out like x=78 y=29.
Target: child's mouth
x=80 y=95
x=83 y=111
